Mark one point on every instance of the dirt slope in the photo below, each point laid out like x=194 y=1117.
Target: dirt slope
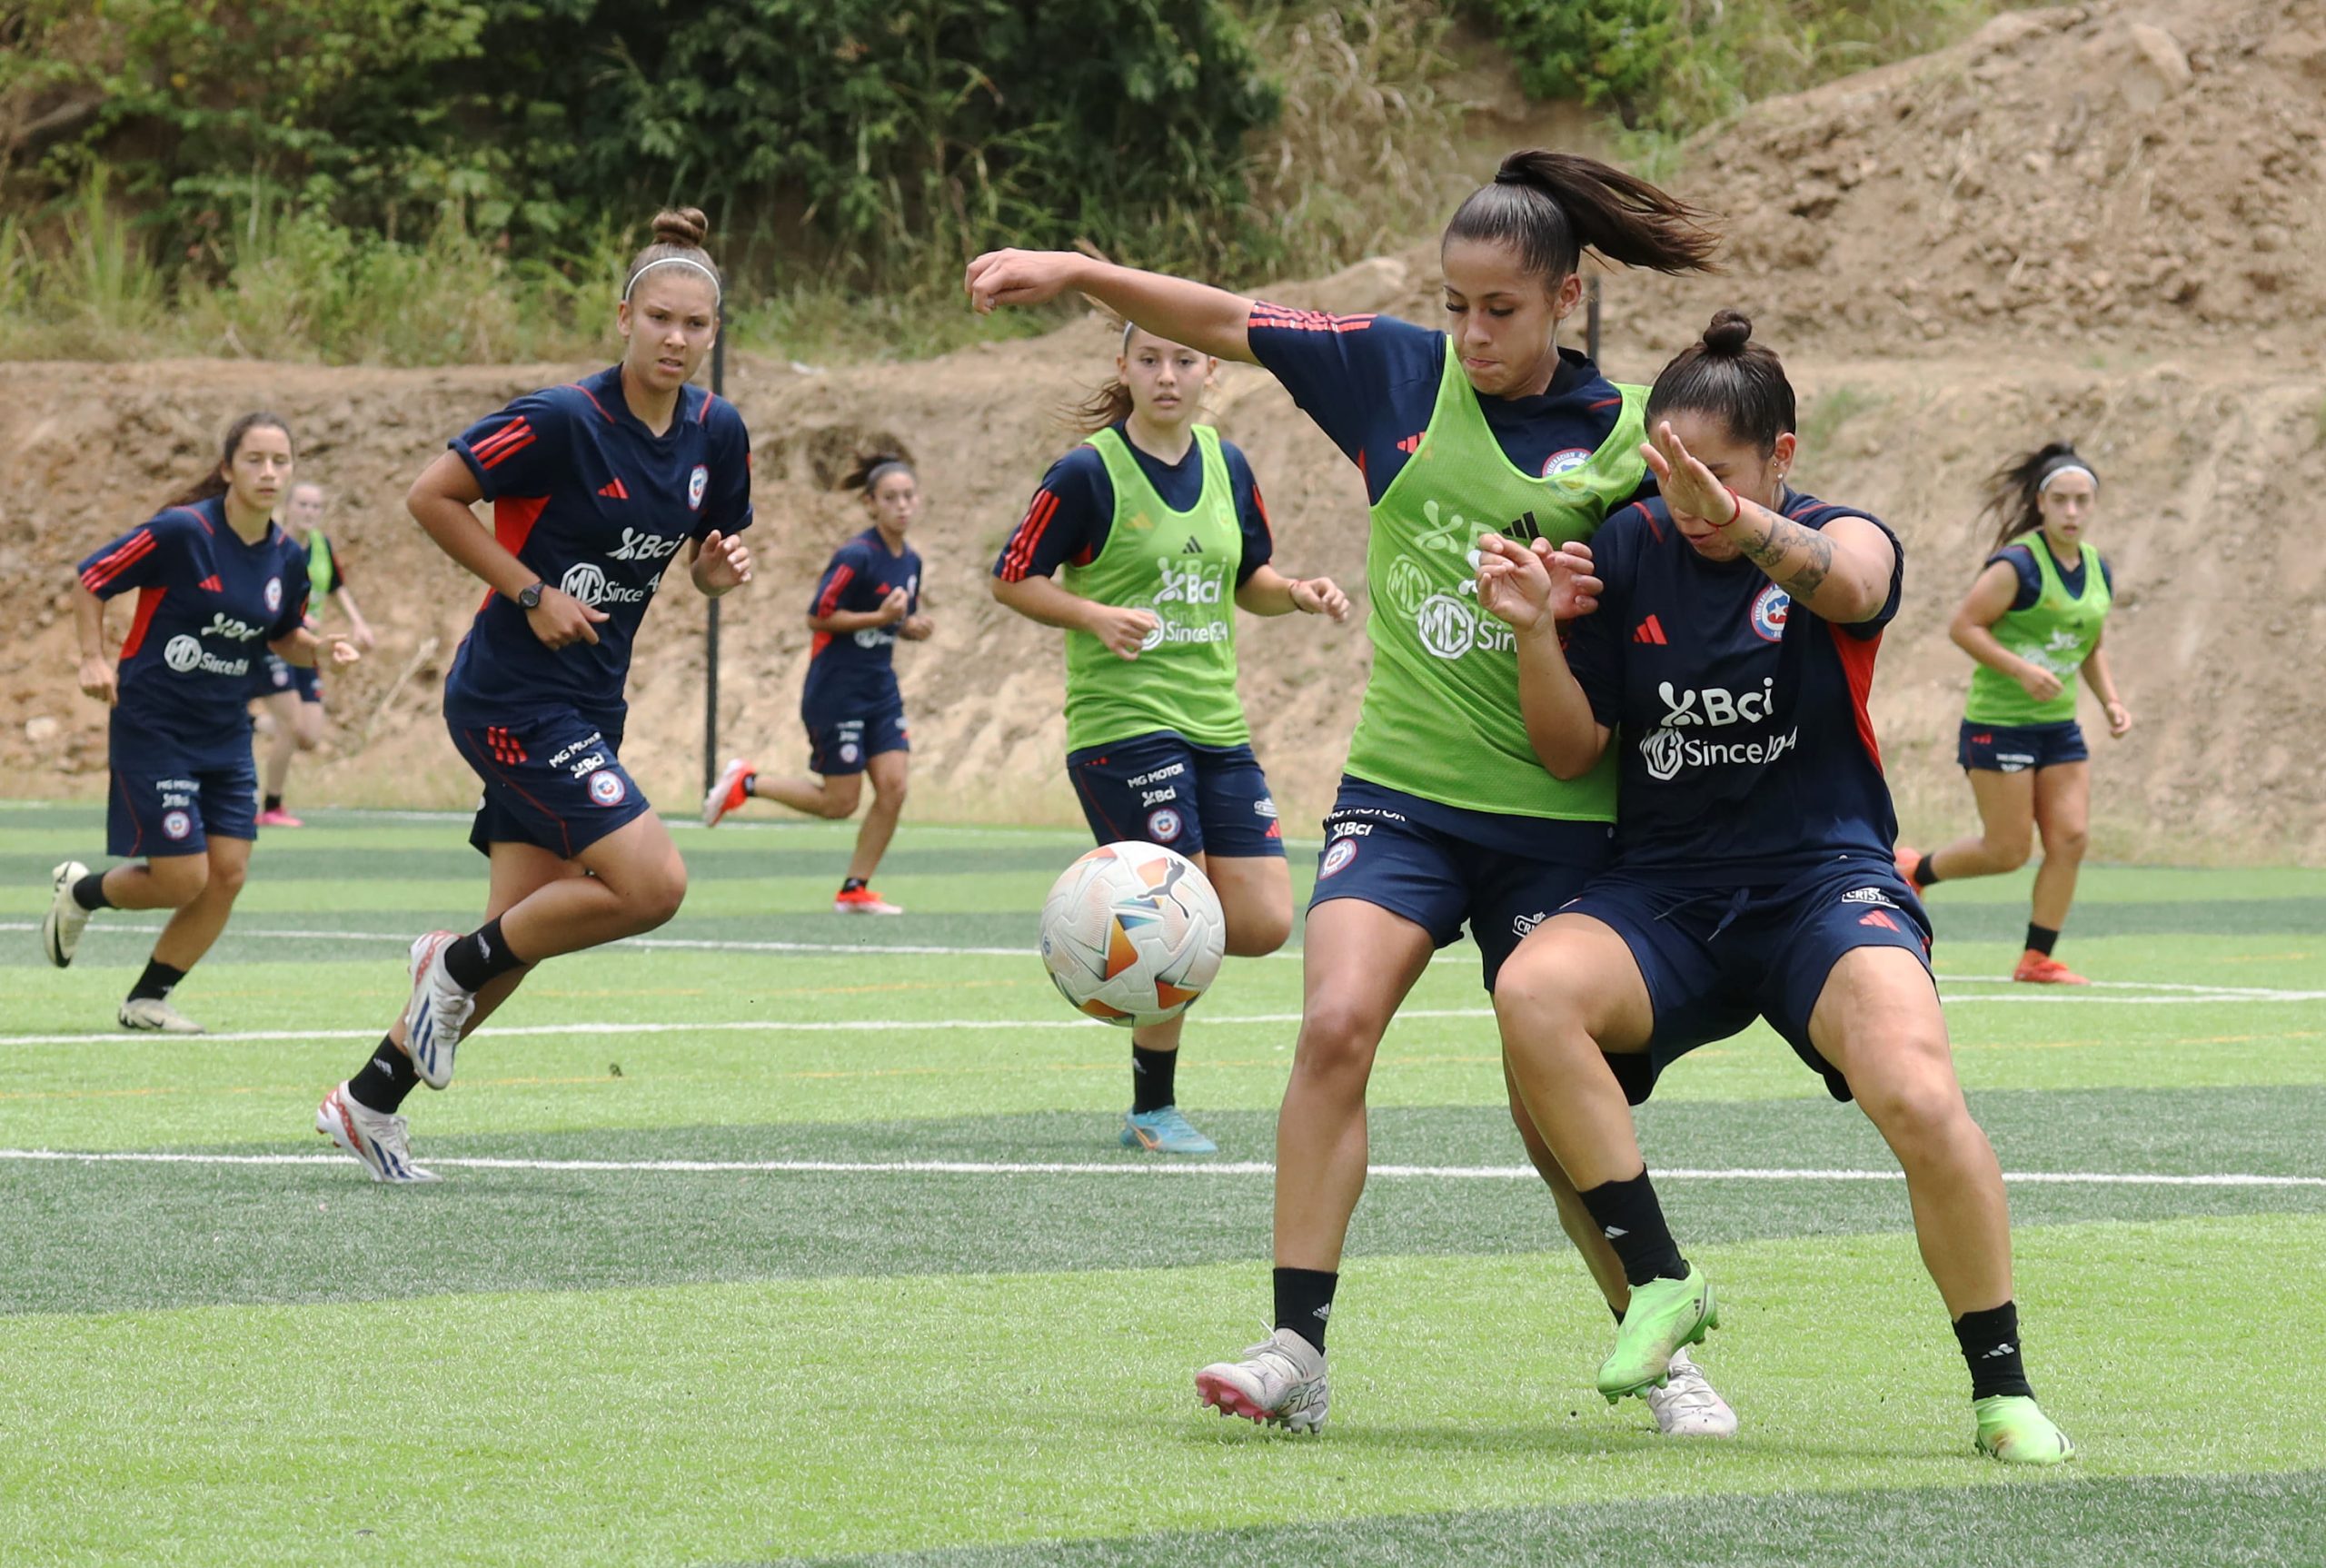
x=2103 y=222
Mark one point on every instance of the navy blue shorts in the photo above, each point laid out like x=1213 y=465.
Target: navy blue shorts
x=1169 y=790
x=552 y=779
x=272 y=675
x=159 y=811
x=843 y=742
x=1381 y=855
x=1717 y=958
x=2020 y=747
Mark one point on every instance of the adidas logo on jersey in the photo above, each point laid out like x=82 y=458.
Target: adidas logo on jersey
x=1877 y=917
x=1650 y=631
x=210 y=585
x=617 y=491
x=1192 y=547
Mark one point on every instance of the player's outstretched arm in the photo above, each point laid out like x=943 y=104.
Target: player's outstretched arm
x=1973 y=630
x=1534 y=590
x=1268 y=591
x=305 y=650
x=1209 y=319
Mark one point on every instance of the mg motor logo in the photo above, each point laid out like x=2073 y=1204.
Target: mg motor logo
x=183 y=653
x=586 y=581
x=1446 y=627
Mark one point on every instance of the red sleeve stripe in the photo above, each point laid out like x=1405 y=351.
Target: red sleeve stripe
x=509 y=437
x=1261 y=505
x=1020 y=559
x=830 y=600
x=149 y=600
x=702 y=415
x=1285 y=319
x=128 y=554
x=594 y=403
x=505 y=451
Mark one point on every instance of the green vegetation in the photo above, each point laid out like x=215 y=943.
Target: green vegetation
x=1828 y=411
x=723 y=1270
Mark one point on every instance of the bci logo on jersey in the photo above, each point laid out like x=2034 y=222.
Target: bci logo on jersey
x=638 y=546
x=233 y=630
x=1713 y=704
x=1197 y=583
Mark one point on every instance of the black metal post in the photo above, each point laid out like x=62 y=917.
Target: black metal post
x=1591 y=317
x=710 y=622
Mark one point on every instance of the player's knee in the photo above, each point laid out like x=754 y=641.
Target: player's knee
x=226 y=881
x=1531 y=1000
x=891 y=794
x=2009 y=853
x=657 y=896
x=179 y=878
x=1255 y=933
x=2066 y=843
x=1337 y=1038
x=1916 y=1111
x=838 y=801
x=307 y=739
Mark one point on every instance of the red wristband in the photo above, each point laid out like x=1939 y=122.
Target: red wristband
x=1737 y=505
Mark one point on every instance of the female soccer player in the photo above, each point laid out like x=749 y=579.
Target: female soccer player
x=1445 y=814
x=869 y=596
x=1155 y=527
x=1733 y=650
x=294 y=697
x=218 y=587
x=595 y=488
x=2033 y=620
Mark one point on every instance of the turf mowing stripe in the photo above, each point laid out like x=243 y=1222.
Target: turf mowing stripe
x=1188 y=1168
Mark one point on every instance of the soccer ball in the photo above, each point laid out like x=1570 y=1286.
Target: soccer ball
x=1132 y=933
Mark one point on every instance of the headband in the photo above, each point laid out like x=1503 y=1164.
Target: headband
x=882 y=470
x=672 y=261
x=2066 y=463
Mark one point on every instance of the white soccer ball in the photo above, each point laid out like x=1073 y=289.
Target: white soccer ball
x=1132 y=933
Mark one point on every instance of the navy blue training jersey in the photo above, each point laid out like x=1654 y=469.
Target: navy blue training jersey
x=600 y=506
x=855 y=672
x=207 y=605
x=1073 y=510
x=1746 y=750
x=2020 y=556
x=1371 y=383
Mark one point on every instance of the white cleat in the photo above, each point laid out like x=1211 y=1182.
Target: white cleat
x=376 y=1137
x=61 y=927
x=727 y=793
x=439 y=1010
x=151 y=1014
x=1280 y=1382
x=1688 y=1405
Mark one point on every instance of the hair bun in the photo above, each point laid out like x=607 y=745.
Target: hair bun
x=1729 y=333
x=682 y=226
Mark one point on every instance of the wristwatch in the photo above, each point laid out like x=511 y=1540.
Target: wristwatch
x=530 y=598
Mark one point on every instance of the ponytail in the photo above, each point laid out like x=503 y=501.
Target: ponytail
x=214 y=483
x=1550 y=207
x=2015 y=492
x=1110 y=405
x=875 y=466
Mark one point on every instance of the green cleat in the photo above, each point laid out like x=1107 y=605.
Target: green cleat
x=1665 y=1316
x=2014 y=1429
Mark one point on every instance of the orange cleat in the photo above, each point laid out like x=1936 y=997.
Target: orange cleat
x=2042 y=969
x=863 y=901
x=727 y=792
x=1908 y=859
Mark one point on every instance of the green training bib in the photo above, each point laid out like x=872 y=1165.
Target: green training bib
x=322 y=576
x=1182 y=565
x=2057 y=632
x=1440 y=717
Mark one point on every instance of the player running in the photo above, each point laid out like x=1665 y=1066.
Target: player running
x=292 y=697
x=1445 y=815
x=1155 y=532
x=218 y=587
x=1733 y=649
x=2033 y=620
x=869 y=597
x=597 y=489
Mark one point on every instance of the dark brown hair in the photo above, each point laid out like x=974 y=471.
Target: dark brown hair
x=1112 y=403
x=861 y=476
x=215 y=482
x=2015 y=492
x=679 y=234
x=1550 y=207
x=1725 y=373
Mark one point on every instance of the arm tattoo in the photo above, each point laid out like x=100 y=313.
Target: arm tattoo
x=1797 y=559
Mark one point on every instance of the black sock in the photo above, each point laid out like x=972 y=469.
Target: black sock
x=157 y=981
x=1926 y=874
x=89 y=892
x=2040 y=938
x=751 y=784
x=1304 y=1300
x=275 y=802
x=1989 y=1342
x=1627 y=1214
x=480 y=956
x=386 y=1079
x=1151 y=1079
x=851 y=884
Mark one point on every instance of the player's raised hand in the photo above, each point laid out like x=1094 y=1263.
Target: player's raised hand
x=722 y=562
x=559 y=620
x=896 y=607
x=1019 y=277
x=1318 y=596
x=98 y=680
x=1687 y=486
x=1532 y=588
x=1123 y=628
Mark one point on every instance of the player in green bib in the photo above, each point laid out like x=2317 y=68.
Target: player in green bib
x=292 y=697
x=1445 y=817
x=1142 y=543
x=2033 y=622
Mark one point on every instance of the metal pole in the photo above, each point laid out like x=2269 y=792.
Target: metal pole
x=710 y=623
x=1590 y=320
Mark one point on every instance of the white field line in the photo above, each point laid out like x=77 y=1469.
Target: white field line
x=1139 y=1168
